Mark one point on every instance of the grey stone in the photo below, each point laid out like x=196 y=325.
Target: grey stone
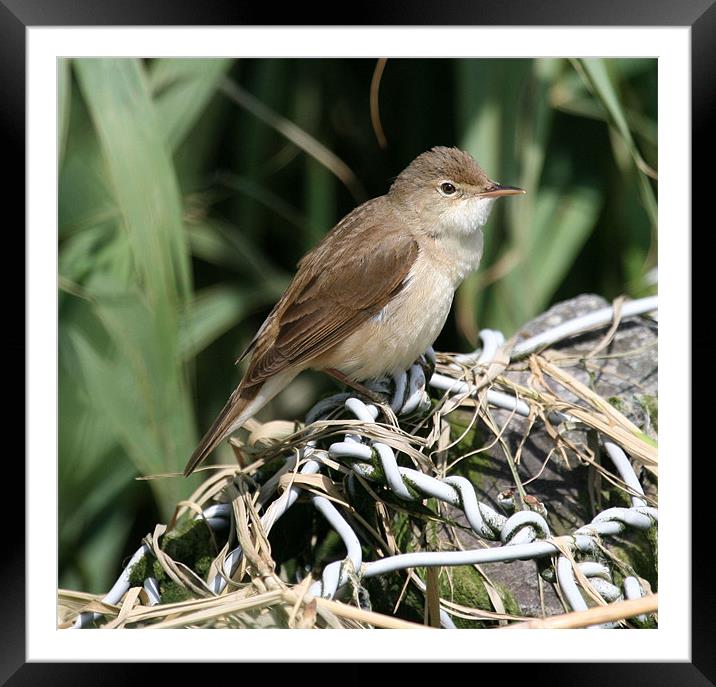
x=625 y=372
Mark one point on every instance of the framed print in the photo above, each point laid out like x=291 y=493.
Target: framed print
x=180 y=163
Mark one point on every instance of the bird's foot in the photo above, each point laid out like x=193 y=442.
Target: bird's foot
x=405 y=391
x=428 y=361
x=369 y=393
x=411 y=390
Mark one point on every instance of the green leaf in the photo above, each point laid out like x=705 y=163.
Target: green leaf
x=85 y=189
x=143 y=179
x=64 y=92
x=77 y=259
x=320 y=186
x=101 y=551
x=221 y=244
x=134 y=387
x=532 y=131
x=596 y=75
x=489 y=94
x=564 y=219
x=212 y=313
x=182 y=88
x=265 y=196
x=297 y=136
x=586 y=106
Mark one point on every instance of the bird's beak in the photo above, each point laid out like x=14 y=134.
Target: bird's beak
x=497 y=190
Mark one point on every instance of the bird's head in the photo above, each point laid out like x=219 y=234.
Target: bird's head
x=448 y=191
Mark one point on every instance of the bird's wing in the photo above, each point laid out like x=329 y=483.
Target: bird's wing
x=347 y=279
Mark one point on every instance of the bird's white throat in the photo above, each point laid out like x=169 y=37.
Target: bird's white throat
x=469 y=214
x=462 y=237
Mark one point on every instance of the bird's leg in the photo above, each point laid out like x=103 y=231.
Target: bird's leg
x=356 y=386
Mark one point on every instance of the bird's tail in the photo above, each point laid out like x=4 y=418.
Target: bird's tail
x=243 y=404
x=218 y=431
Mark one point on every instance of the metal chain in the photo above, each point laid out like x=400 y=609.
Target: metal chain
x=524 y=535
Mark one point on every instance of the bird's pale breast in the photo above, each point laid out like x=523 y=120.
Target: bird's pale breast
x=392 y=340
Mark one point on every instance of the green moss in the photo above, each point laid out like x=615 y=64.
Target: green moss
x=615 y=402
x=202 y=565
x=464 y=425
x=139 y=572
x=652 y=536
x=638 y=550
x=403 y=531
x=508 y=599
x=474 y=467
x=461 y=584
x=385 y=590
x=412 y=489
x=648 y=624
x=158 y=572
x=464 y=585
x=651 y=406
x=378 y=475
x=190 y=544
x=171 y=592
x=378 y=472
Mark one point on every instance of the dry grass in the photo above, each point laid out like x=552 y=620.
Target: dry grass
x=619 y=610
x=259 y=595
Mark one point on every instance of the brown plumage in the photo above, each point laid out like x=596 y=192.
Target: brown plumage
x=348 y=288
x=312 y=315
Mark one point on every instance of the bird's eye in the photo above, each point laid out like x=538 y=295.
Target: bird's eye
x=447 y=189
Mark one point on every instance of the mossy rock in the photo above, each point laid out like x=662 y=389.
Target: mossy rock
x=384 y=592
x=651 y=406
x=464 y=585
x=461 y=584
x=639 y=551
x=471 y=437
x=191 y=544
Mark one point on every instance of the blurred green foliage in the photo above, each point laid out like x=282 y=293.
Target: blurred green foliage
x=189 y=189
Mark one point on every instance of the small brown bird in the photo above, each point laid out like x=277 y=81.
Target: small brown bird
x=374 y=294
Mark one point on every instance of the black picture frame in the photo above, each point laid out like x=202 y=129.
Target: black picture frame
x=17 y=15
